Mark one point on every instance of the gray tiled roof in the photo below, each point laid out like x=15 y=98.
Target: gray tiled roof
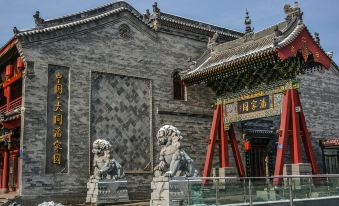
x=199 y=25
x=248 y=46
x=121 y=6
x=81 y=18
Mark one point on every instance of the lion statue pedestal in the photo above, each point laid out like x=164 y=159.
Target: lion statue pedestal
x=106 y=185
x=169 y=185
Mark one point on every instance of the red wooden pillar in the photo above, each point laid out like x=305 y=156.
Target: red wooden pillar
x=224 y=160
x=4 y=182
x=218 y=124
x=8 y=98
x=211 y=142
x=297 y=152
x=293 y=118
x=283 y=134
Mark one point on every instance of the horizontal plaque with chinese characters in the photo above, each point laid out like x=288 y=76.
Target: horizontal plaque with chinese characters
x=57 y=119
x=253 y=105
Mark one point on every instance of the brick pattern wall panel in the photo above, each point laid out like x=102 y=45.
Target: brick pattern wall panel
x=121 y=109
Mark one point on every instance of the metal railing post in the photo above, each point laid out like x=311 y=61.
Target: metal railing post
x=189 y=192
x=250 y=191
x=217 y=192
x=291 y=190
x=244 y=184
x=310 y=187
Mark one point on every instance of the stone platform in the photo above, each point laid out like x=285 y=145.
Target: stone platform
x=170 y=191
x=107 y=191
x=297 y=169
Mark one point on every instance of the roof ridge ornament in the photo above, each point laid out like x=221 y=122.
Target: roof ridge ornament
x=39 y=22
x=248 y=22
x=212 y=42
x=15 y=30
x=155 y=18
x=278 y=33
x=293 y=12
x=146 y=16
x=316 y=38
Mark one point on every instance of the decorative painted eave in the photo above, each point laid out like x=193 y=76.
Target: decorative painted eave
x=8 y=47
x=8 y=50
x=193 y=25
x=301 y=40
x=267 y=55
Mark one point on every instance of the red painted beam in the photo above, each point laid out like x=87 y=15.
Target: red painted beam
x=12 y=80
x=12 y=124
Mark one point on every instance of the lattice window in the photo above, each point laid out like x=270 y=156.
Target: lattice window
x=178 y=87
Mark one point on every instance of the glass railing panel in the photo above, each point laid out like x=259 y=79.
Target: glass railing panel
x=201 y=193
x=231 y=190
x=234 y=190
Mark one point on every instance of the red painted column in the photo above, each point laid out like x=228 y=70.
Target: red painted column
x=8 y=102
x=211 y=143
x=297 y=152
x=4 y=182
x=223 y=141
x=283 y=134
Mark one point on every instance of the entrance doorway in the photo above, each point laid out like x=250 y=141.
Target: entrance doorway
x=260 y=155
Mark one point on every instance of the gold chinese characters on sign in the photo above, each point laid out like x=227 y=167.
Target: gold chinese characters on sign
x=57 y=120
x=253 y=105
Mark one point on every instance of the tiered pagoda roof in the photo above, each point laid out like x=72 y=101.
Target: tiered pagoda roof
x=276 y=43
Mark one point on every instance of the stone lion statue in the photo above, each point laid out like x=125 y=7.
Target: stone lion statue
x=174 y=161
x=105 y=166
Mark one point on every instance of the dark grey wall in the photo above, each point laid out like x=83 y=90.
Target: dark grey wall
x=98 y=46
x=319 y=96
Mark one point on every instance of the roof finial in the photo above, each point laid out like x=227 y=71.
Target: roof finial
x=155 y=18
x=155 y=7
x=15 y=30
x=39 y=22
x=147 y=15
x=293 y=12
x=212 y=42
x=316 y=37
x=248 y=23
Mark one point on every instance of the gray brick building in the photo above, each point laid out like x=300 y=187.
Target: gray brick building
x=118 y=71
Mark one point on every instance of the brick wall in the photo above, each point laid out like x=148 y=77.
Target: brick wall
x=99 y=47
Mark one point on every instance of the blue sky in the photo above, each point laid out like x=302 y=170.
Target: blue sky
x=320 y=16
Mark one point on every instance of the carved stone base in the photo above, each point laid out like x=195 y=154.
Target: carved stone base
x=169 y=192
x=106 y=191
x=297 y=169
